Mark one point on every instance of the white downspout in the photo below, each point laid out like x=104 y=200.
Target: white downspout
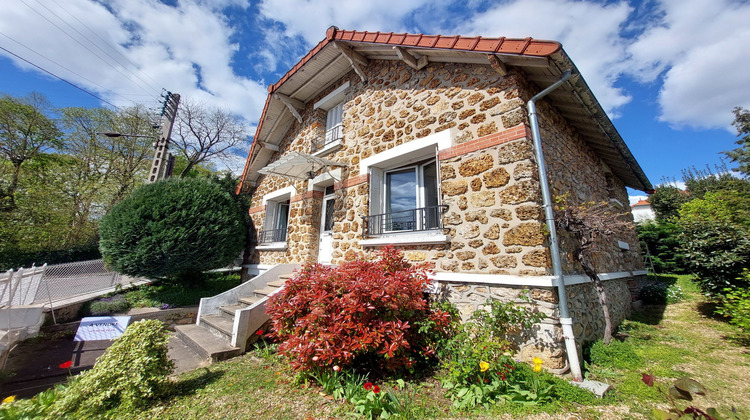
x=549 y=215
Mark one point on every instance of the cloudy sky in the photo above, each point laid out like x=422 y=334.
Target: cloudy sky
x=668 y=72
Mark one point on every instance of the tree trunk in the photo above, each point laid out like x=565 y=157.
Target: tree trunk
x=589 y=270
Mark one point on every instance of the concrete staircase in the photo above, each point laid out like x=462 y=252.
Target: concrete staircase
x=227 y=322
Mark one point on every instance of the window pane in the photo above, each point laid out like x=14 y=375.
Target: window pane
x=400 y=199
x=283 y=216
x=430 y=214
x=328 y=223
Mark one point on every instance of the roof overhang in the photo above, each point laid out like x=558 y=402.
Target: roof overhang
x=542 y=61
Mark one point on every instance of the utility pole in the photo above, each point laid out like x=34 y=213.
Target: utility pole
x=163 y=162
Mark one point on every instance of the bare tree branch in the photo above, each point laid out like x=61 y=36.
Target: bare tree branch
x=202 y=133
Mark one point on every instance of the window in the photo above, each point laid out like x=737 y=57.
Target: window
x=404 y=194
x=277 y=220
x=333 y=104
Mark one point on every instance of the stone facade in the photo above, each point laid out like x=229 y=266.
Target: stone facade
x=488 y=181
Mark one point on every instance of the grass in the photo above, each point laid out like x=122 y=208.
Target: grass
x=668 y=341
x=166 y=294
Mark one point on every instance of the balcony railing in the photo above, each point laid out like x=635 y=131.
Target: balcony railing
x=426 y=218
x=269 y=236
x=333 y=134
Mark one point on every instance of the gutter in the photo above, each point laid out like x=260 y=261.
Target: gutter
x=549 y=215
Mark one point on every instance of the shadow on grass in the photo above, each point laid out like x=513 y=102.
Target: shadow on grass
x=187 y=387
x=649 y=314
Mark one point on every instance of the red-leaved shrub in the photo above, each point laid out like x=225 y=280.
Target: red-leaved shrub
x=367 y=309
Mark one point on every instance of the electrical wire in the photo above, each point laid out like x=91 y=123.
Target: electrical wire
x=84 y=46
x=105 y=42
x=71 y=71
x=97 y=46
x=58 y=77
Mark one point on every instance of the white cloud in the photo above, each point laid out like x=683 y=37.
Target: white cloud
x=185 y=49
x=701 y=52
x=589 y=32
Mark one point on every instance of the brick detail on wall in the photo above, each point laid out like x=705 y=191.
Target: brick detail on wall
x=256 y=209
x=515 y=133
x=305 y=196
x=350 y=182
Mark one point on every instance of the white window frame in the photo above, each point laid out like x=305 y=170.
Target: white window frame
x=399 y=157
x=273 y=201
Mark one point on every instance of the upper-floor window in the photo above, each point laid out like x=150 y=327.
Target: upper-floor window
x=333 y=104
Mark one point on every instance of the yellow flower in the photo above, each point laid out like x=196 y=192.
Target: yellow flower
x=537 y=364
x=483 y=366
x=9 y=399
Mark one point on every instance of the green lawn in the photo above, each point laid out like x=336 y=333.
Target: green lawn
x=673 y=341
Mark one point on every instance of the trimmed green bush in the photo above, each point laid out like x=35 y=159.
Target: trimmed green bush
x=176 y=228
x=109 y=305
x=131 y=373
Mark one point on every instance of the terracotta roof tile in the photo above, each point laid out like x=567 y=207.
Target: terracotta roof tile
x=528 y=46
x=641 y=203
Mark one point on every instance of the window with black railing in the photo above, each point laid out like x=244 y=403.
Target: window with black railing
x=414 y=220
x=273 y=235
x=332 y=135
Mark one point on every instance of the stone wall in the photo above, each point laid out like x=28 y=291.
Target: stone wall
x=494 y=216
x=545 y=339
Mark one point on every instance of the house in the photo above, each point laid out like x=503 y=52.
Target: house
x=642 y=211
x=425 y=142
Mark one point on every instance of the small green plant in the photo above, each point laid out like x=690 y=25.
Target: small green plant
x=661 y=293
x=735 y=304
x=109 y=305
x=36 y=407
x=377 y=403
x=131 y=373
x=681 y=389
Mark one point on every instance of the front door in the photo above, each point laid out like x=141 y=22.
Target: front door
x=325 y=246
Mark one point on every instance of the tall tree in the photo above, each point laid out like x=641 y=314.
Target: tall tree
x=25 y=132
x=741 y=155
x=202 y=133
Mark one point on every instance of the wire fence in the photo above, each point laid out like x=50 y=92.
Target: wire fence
x=63 y=281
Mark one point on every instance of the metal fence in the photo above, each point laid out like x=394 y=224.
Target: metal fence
x=274 y=235
x=63 y=281
x=20 y=287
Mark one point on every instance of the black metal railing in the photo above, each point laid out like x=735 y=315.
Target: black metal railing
x=275 y=235
x=426 y=218
x=333 y=134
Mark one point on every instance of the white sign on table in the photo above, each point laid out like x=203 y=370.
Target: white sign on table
x=101 y=328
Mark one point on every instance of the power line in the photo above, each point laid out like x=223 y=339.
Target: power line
x=58 y=77
x=81 y=44
x=69 y=70
x=111 y=47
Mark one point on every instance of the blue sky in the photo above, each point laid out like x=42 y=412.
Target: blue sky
x=668 y=72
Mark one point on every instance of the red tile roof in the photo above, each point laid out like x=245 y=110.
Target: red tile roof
x=641 y=203
x=502 y=45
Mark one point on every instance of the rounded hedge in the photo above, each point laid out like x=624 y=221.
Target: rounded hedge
x=173 y=228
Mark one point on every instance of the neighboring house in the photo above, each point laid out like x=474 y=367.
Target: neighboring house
x=642 y=211
x=424 y=142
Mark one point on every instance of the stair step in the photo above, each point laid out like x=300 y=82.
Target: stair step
x=276 y=283
x=220 y=322
x=266 y=291
x=207 y=345
x=248 y=300
x=230 y=309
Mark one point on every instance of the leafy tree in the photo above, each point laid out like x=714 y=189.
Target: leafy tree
x=25 y=132
x=716 y=238
x=661 y=238
x=741 y=155
x=666 y=202
x=201 y=133
x=175 y=228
